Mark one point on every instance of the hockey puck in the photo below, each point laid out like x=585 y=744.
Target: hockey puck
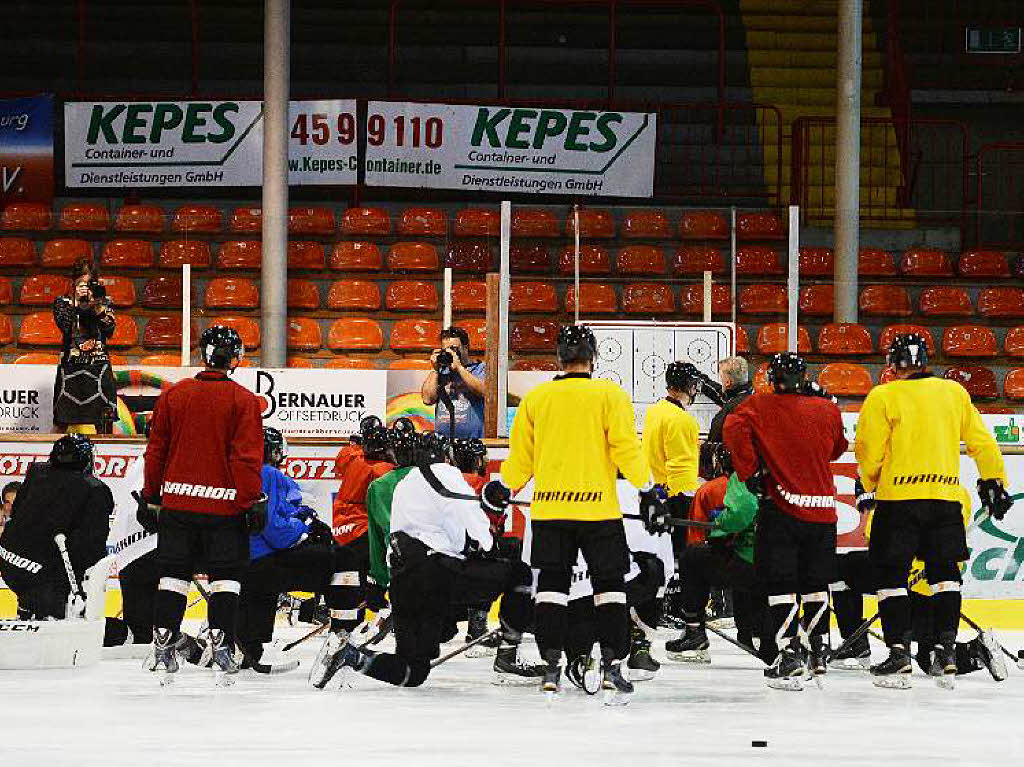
x=759 y=744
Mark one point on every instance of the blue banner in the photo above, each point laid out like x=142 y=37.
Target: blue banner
x=26 y=149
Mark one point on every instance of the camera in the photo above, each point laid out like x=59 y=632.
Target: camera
x=444 y=362
x=97 y=292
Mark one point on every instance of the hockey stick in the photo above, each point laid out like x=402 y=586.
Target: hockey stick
x=482 y=638
x=980 y=630
x=318 y=630
x=76 y=597
x=735 y=642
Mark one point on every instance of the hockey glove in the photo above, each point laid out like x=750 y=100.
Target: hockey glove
x=375 y=595
x=712 y=390
x=653 y=510
x=255 y=517
x=865 y=500
x=148 y=512
x=757 y=483
x=994 y=498
x=319 y=532
x=495 y=498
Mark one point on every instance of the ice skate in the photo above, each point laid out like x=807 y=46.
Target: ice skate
x=617 y=689
x=640 y=666
x=943 y=667
x=985 y=648
x=511 y=671
x=549 y=684
x=692 y=647
x=720 y=612
x=165 y=662
x=817 y=660
x=854 y=657
x=220 y=655
x=894 y=671
x=335 y=652
x=787 y=672
x=190 y=649
x=477 y=628
x=584 y=673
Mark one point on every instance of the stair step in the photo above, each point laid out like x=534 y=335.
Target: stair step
x=768 y=22
x=800 y=41
x=809 y=96
x=791 y=7
x=872 y=59
x=806 y=77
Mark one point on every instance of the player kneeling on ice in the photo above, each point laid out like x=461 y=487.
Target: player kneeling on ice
x=427 y=531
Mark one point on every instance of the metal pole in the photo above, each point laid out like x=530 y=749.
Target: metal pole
x=276 y=51
x=186 y=315
x=793 y=286
x=732 y=264
x=576 y=259
x=446 y=318
x=707 y=296
x=504 y=294
x=847 y=214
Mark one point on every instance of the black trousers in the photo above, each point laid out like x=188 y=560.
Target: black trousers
x=40 y=595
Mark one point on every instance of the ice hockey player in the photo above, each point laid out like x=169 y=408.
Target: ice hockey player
x=572 y=436
x=59 y=496
x=425 y=518
x=202 y=493
x=908 y=454
x=781 y=445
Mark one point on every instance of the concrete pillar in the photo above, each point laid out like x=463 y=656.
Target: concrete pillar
x=847 y=216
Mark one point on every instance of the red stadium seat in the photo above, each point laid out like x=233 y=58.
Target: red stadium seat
x=817 y=300
x=162 y=293
x=926 y=262
x=355 y=333
x=299 y=362
x=763 y=299
x=742 y=343
x=1013 y=344
x=410 y=363
x=120 y=291
x=127 y=254
x=594 y=224
x=7 y=292
x=534 y=258
x=874 y=262
x=641 y=259
x=759 y=226
x=969 y=341
x=411 y=296
x=647 y=298
x=231 y=293
x=945 y=302
x=423 y=222
x=534 y=336
x=247 y=220
x=761 y=384
x=1013 y=384
x=38 y=358
x=533 y=297
x=413 y=257
x=310 y=220
x=39 y=329
x=535 y=364
x=477 y=222
x=164 y=332
x=534 y=222
x=594 y=259
x=366 y=221
x=415 y=335
x=691 y=299
x=160 y=361
x=126 y=332
x=1001 y=302
x=470 y=257
x=304 y=334
x=477 y=332
x=697 y=259
x=595 y=298
x=703 y=225
x=891 y=331
x=353 y=294
x=17 y=251
x=139 y=218
x=241 y=254
x=885 y=301
x=983 y=263
x=26 y=217
x=844 y=379
x=303 y=294
x=248 y=328
x=356 y=257
x=350 y=363
x=773 y=338
x=817 y=262
x=197 y=218
x=757 y=260
x=842 y=338
x=469 y=296
x=305 y=255
x=646 y=223
x=175 y=253
x=62 y=253
x=979 y=381
x=84 y=217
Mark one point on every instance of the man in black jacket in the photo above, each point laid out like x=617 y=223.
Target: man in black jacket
x=735 y=377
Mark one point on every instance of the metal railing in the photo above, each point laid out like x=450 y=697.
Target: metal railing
x=1000 y=210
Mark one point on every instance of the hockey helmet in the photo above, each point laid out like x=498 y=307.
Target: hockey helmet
x=908 y=350
x=576 y=343
x=366 y=424
x=275 y=447
x=375 y=443
x=786 y=372
x=221 y=347
x=404 y=424
x=432 y=447
x=470 y=455
x=73 y=451
x=402 y=445
x=683 y=376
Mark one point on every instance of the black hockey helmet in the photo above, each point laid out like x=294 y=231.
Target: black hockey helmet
x=470 y=455
x=403 y=424
x=683 y=376
x=908 y=350
x=366 y=424
x=432 y=447
x=402 y=445
x=221 y=346
x=786 y=372
x=576 y=343
x=73 y=451
x=375 y=443
x=275 y=446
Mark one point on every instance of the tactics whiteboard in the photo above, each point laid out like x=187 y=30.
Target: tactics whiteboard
x=635 y=355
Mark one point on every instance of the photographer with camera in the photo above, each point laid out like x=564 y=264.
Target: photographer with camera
x=456 y=387
x=84 y=398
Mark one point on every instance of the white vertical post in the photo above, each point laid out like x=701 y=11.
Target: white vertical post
x=848 y=136
x=502 y=339
x=707 y=296
x=793 y=286
x=576 y=258
x=732 y=262
x=446 y=317
x=186 y=315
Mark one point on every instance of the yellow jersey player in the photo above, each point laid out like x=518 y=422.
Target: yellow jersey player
x=908 y=455
x=671 y=437
x=572 y=436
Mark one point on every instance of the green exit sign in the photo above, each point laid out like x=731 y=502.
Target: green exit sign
x=993 y=40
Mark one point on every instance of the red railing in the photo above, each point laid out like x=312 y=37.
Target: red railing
x=1000 y=214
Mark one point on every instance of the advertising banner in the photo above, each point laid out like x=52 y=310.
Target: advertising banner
x=26 y=149
x=203 y=143
x=510 y=149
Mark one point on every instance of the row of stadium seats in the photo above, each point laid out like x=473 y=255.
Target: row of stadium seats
x=639 y=223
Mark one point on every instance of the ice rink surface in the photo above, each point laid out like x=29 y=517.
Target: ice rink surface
x=115 y=714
